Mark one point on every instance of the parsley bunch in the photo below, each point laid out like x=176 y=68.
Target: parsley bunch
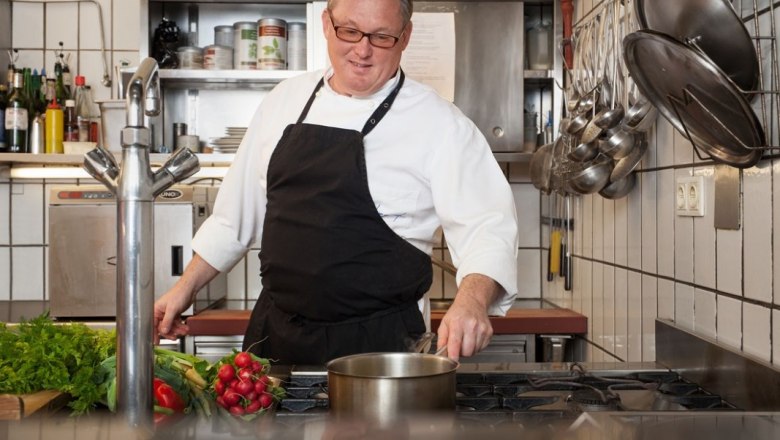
x=39 y=355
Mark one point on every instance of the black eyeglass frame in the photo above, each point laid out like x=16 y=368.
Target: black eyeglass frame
x=362 y=34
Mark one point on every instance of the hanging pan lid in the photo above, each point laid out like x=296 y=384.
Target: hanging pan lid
x=714 y=27
x=694 y=94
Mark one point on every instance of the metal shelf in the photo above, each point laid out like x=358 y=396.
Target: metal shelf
x=206 y=160
x=220 y=79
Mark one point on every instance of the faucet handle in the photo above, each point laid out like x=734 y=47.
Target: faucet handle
x=181 y=165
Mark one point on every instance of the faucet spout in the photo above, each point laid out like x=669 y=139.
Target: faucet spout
x=143 y=93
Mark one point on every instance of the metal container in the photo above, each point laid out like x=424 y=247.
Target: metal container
x=223 y=35
x=113 y=117
x=217 y=57
x=271 y=44
x=383 y=386
x=296 y=46
x=190 y=57
x=245 y=45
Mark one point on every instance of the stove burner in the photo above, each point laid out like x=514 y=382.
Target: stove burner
x=593 y=400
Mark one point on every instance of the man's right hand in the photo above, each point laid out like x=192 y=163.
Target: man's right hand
x=167 y=315
x=168 y=309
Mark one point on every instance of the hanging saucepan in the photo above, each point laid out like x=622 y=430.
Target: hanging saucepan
x=541 y=163
x=383 y=386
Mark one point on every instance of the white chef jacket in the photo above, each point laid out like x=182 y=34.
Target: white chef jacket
x=427 y=164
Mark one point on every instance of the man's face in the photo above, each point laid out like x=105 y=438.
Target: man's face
x=360 y=69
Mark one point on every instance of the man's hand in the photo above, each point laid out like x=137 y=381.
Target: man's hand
x=167 y=315
x=168 y=309
x=465 y=328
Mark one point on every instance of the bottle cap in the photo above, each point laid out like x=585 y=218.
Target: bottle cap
x=70 y=103
x=80 y=81
x=53 y=104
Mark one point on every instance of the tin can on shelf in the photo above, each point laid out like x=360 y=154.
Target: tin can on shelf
x=217 y=57
x=223 y=35
x=296 y=46
x=271 y=44
x=190 y=57
x=245 y=45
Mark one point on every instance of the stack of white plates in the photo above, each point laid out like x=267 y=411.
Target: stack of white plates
x=229 y=143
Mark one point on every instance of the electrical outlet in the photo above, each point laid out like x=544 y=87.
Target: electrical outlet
x=689 y=196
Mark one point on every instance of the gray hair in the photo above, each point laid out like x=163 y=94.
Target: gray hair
x=406 y=9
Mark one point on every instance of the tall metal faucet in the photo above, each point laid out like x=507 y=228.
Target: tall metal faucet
x=135 y=186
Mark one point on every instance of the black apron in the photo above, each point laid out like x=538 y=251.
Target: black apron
x=336 y=279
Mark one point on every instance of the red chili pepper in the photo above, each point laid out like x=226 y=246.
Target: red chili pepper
x=167 y=397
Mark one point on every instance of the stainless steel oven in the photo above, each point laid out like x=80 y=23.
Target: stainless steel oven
x=82 y=247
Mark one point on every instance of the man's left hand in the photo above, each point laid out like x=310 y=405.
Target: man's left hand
x=465 y=329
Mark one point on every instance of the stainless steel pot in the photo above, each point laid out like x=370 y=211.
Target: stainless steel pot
x=382 y=386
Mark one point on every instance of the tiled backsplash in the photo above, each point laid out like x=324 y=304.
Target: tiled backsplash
x=39 y=27
x=636 y=260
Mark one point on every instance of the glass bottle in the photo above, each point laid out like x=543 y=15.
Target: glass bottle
x=71 y=123
x=16 y=118
x=83 y=108
x=63 y=94
x=3 y=98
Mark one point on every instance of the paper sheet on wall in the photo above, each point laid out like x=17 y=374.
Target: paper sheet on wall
x=430 y=56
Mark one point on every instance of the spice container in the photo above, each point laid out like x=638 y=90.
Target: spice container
x=245 y=45
x=296 y=46
x=271 y=44
x=71 y=125
x=223 y=35
x=217 y=57
x=190 y=57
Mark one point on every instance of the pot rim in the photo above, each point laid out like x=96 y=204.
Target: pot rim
x=333 y=365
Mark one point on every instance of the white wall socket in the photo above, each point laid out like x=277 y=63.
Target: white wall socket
x=689 y=196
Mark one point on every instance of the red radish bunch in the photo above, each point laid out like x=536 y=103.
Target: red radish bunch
x=242 y=385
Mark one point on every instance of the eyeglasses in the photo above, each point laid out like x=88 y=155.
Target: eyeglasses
x=351 y=35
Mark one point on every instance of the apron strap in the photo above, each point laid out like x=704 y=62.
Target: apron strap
x=384 y=107
x=378 y=114
x=310 y=101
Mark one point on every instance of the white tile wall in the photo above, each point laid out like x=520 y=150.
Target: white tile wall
x=757 y=183
x=729 y=255
x=705 y=310
x=5 y=206
x=5 y=273
x=758 y=331
x=634 y=317
x=649 y=314
x=621 y=232
x=621 y=313
x=683 y=305
x=704 y=235
x=27 y=213
x=31 y=34
x=729 y=321
x=27 y=274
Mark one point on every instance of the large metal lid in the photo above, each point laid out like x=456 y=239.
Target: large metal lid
x=715 y=28
x=694 y=94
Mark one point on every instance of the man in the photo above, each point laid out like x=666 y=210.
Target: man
x=345 y=176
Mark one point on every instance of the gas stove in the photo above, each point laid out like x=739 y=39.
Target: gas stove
x=566 y=392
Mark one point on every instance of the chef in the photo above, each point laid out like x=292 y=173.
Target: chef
x=344 y=177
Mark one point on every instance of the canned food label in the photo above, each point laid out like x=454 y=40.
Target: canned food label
x=272 y=42
x=245 y=52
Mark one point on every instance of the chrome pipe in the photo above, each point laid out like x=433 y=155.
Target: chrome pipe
x=135 y=187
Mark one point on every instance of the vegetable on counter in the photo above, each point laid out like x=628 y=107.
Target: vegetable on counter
x=242 y=386
x=41 y=355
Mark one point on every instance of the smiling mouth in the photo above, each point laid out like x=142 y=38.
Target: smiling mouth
x=360 y=65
